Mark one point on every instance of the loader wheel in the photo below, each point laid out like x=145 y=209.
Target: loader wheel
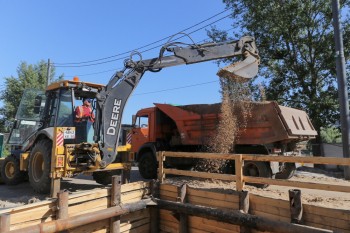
x=257 y=169
x=287 y=172
x=39 y=167
x=10 y=172
x=105 y=177
x=148 y=166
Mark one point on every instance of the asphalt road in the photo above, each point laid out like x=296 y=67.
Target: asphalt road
x=23 y=193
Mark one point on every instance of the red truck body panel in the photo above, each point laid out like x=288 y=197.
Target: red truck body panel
x=196 y=124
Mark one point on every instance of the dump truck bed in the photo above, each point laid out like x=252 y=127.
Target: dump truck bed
x=268 y=123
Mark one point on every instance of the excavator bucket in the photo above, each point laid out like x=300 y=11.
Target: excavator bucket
x=241 y=71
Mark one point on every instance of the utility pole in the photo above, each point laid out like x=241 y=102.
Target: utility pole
x=342 y=85
x=48 y=72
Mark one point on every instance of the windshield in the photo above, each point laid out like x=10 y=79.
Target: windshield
x=29 y=102
x=28 y=116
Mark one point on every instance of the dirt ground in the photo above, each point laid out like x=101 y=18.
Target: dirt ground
x=11 y=196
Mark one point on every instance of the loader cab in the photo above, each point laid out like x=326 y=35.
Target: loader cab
x=40 y=110
x=28 y=116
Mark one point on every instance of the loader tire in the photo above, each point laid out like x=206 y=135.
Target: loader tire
x=10 y=171
x=40 y=166
x=148 y=166
x=287 y=172
x=257 y=169
x=105 y=177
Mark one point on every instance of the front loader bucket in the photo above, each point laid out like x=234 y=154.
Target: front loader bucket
x=242 y=71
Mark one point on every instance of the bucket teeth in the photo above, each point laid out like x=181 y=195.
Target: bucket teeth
x=241 y=71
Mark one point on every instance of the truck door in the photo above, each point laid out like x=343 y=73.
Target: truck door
x=140 y=132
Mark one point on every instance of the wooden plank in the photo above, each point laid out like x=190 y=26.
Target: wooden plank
x=135 y=224
x=133 y=194
x=135 y=215
x=115 y=198
x=169 y=228
x=323 y=211
x=231 y=197
x=168 y=187
x=239 y=173
x=135 y=186
x=92 y=209
x=141 y=229
x=87 y=206
x=212 y=203
x=168 y=216
x=332 y=222
x=270 y=209
x=5 y=222
x=299 y=159
x=45 y=204
x=212 y=225
x=297 y=184
x=30 y=223
x=200 y=155
x=260 y=200
x=161 y=159
x=205 y=175
x=168 y=193
x=259 y=157
x=91 y=227
x=39 y=214
x=328 y=227
x=88 y=196
x=270 y=216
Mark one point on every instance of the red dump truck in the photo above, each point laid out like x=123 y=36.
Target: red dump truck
x=270 y=129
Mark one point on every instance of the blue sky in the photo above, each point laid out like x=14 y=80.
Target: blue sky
x=78 y=31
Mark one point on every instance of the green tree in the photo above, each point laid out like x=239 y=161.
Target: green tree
x=28 y=76
x=331 y=135
x=295 y=39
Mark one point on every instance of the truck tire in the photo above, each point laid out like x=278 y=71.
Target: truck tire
x=287 y=172
x=148 y=166
x=40 y=166
x=105 y=177
x=10 y=171
x=257 y=169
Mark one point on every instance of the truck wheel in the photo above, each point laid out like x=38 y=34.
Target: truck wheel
x=148 y=166
x=39 y=167
x=105 y=177
x=287 y=172
x=257 y=169
x=10 y=172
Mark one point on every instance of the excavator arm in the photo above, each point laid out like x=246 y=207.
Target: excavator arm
x=112 y=99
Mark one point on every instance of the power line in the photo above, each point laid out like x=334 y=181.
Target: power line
x=84 y=64
x=117 y=69
x=176 y=88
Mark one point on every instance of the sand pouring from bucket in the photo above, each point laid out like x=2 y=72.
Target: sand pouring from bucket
x=242 y=71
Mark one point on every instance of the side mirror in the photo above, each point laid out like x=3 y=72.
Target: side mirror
x=37 y=104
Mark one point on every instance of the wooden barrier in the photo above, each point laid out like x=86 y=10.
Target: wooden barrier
x=275 y=210
x=78 y=204
x=210 y=211
x=240 y=179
